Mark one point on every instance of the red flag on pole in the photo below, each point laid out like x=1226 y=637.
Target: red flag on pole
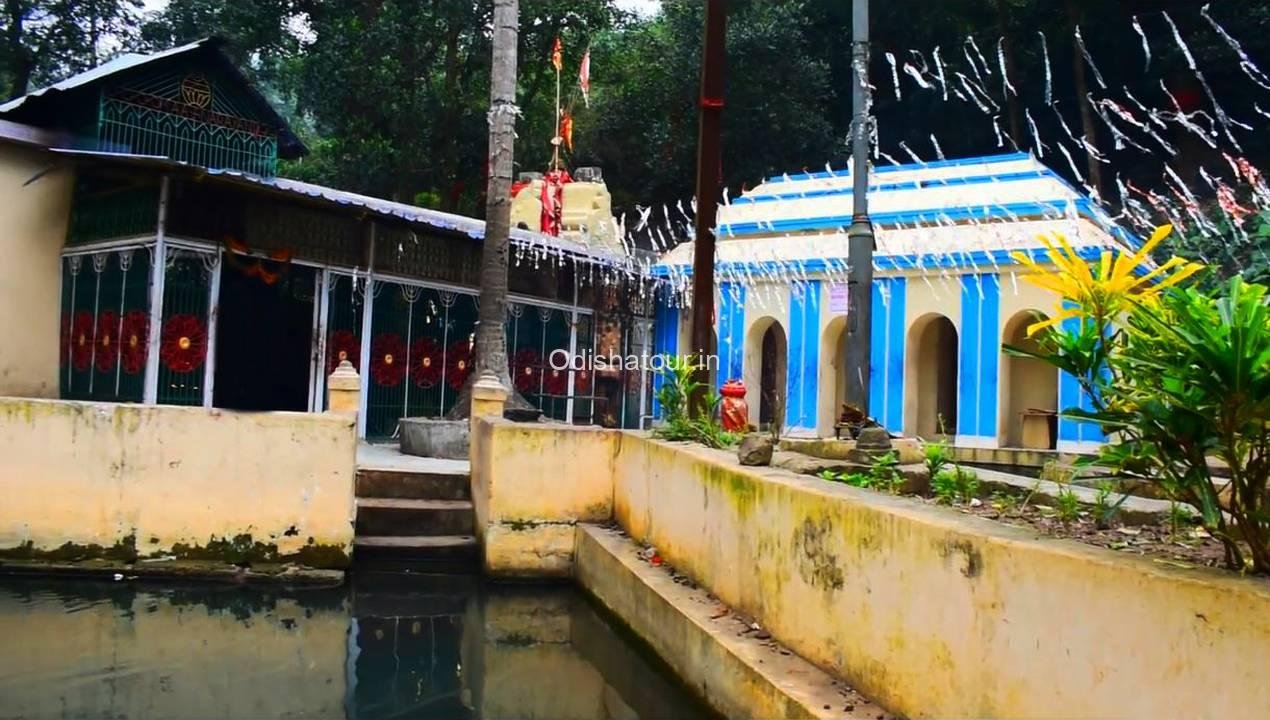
x=566 y=130
x=584 y=77
x=557 y=58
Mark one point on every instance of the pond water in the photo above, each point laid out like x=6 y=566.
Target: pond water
x=440 y=647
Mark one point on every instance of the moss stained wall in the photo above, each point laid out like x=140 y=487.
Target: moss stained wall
x=188 y=481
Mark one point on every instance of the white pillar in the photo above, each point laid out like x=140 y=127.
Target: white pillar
x=158 y=269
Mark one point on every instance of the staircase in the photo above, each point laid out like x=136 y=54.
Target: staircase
x=415 y=515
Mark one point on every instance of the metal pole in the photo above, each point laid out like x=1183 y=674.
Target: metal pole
x=158 y=273
x=860 y=243
x=709 y=162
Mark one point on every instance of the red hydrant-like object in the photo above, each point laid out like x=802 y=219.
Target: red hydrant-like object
x=735 y=413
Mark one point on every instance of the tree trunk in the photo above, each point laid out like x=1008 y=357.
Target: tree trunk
x=1082 y=100
x=1014 y=110
x=491 y=330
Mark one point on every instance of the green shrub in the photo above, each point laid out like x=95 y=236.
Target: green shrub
x=955 y=485
x=674 y=395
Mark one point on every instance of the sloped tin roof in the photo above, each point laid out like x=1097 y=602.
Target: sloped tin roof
x=289 y=145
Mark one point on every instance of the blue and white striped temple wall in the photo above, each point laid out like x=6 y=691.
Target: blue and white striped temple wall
x=945 y=297
x=813 y=387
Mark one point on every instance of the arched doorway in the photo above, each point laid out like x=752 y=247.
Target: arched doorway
x=766 y=348
x=930 y=378
x=1027 y=384
x=832 y=383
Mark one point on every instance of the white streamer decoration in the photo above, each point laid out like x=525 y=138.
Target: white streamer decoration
x=895 y=76
x=1049 y=78
x=1146 y=47
x=1245 y=63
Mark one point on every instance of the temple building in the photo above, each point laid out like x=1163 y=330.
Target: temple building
x=946 y=295
x=154 y=255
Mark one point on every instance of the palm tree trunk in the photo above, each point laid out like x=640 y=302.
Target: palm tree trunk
x=491 y=330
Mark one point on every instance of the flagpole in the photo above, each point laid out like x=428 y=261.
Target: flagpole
x=556 y=137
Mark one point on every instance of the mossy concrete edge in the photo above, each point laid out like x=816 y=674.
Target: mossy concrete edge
x=738 y=676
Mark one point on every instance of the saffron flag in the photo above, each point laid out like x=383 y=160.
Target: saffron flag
x=557 y=58
x=566 y=130
x=584 y=77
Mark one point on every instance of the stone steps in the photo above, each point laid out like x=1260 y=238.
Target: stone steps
x=414 y=485
x=415 y=519
x=409 y=517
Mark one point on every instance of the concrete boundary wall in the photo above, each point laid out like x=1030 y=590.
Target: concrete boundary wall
x=928 y=611
x=160 y=476
x=937 y=614
x=737 y=675
x=531 y=485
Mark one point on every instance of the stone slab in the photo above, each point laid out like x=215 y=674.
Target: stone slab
x=735 y=672
x=435 y=438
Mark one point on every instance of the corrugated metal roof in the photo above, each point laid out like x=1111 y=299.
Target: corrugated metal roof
x=126 y=61
x=472 y=227
x=289 y=144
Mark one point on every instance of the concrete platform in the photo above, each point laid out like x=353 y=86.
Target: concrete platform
x=738 y=670
x=388 y=457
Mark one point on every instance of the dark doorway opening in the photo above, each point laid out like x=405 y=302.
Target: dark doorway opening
x=264 y=335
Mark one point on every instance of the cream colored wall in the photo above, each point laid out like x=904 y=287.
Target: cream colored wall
x=1023 y=383
x=937 y=614
x=531 y=485
x=942 y=296
x=33 y=220
x=765 y=303
x=174 y=660
x=95 y=473
x=832 y=380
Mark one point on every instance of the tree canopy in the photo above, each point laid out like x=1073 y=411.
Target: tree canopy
x=391 y=95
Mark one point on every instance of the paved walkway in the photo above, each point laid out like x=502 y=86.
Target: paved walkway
x=389 y=457
x=1144 y=508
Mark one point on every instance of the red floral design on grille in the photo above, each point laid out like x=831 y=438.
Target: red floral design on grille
x=388 y=359
x=183 y=343
x=107 y=341
x=582 y=382
x=555 y=382
x=458 y=363
x=82 y=341
x=425 y=362
x=134 y=336
x=342 y=345
x=526 y=370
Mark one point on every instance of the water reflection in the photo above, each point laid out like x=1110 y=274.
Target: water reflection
x=438 y=648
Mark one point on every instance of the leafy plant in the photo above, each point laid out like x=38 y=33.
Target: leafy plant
x=884 y=473
x=677 y=388
x=1004 y=502
x=1104 y=509
x=1174 y=377
x=1178 y=518
x=936 y=456
x=855 y=479
x=1067 y=505
x=955 y=485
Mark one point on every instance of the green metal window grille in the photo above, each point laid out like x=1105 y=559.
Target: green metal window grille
x=343 y=322
x=442 y=258
x=103 y=209
x=105 y=311
x=187 y=116
x=183 y=338
x=426 y=332
x=533 y=333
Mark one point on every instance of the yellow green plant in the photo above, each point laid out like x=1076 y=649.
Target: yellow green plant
x=1173 y=377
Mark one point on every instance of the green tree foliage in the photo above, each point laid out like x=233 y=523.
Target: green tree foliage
x=391 y=94
x=46 y=40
